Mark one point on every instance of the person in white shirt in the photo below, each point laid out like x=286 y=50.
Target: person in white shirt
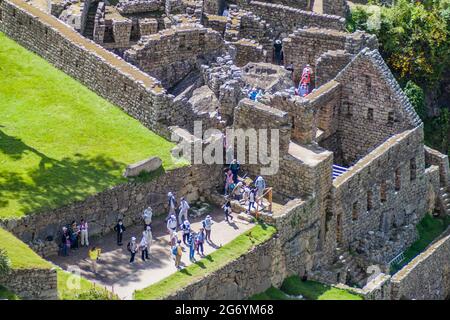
x=144 y=247
x=84 y=233
x=149 y=237
x=207 y=225
x=184 y=207
x=147 y=216
x=172 y=224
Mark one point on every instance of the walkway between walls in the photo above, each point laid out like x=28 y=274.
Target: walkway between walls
x=114 y=270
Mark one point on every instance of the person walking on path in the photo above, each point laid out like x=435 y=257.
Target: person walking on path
x=184 y=207
x=234 y=167
x=147 y=216
x=191 y=243
x=200 y=241
x=84 y=233
x=186 y=228
x=179 y=253
x=173 y=239
x=143 y=246
x=120 y=229
x=172 y=203
x=94 y=256
x=260 y=185
x=227 y=210
x=132 y=247
x=251 y=200
x=172 y=224
x=207 y=225
x=149 y=237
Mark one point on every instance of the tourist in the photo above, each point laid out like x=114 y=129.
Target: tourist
x=132 y=247
x=207 y=225
x=120 y=229
x=84 y=233
x=252 y=94
x=149 y=237
x=65 y=242
x=172 y=203
x=234 y=167
x=172 y=224
x=200 y=239
x=74 y=232
x=251 y=200
x=228 y=180
x=237 y=191
x=305 y=79
x=94 y=256
x=260 y=185
x=259 y=95
x=278 y=51
x=184 y=207
x=302 y=90
x=143 y=246
x=147 y=216
x=246 y=193
x=191 y=243
x=173 y=239
x=226 y=12
x=227 y=210
x=186 y=228
x=179 y=253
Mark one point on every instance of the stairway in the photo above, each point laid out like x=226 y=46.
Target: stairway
x=189 y=80
x=444 y=198
x=338 y=170
x=90 y=21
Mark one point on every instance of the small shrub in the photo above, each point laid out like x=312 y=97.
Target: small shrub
x=5 y=263
x=96 y=294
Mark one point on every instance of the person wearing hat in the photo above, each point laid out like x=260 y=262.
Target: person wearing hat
x=278 y=49
x=179 y=253
x=172 y=203
x=200 y=239
x=191 y=243
x=132 y=248
x=65 y=241
x=260 y=185
x=149 y=237
x=172 y=224
x=184 y=207
x=143 y=245
x=147 y=216
x=207 y=223
x=186 y=228
x=305 y=81
x=119 y=228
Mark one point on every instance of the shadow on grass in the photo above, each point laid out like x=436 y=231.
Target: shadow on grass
x=54 y=182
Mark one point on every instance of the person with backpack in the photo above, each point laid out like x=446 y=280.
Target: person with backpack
x=119 y=229
x=132 y=248
x=207 y=223
x=227 y=210
x=149 y=237
x=184 y=207
x=147 y=216
x=172 y=224
x=172 y=203
x=200 y=241
x=84 y=232
x=186 y=228
x=94 y=256
x=191 y=243
x=178 y=252
x=251 y=200
x=143 y=246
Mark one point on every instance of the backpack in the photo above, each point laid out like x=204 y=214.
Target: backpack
x=174 y=251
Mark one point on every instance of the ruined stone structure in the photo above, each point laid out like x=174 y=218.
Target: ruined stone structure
x=353 y=178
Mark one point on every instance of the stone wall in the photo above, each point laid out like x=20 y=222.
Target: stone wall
x=335 y=7
x=172 y=53
x=248 y=51
x=329 y=65
x=126 y=201
x=138 y=94
x=35 y=284
x=426 y=277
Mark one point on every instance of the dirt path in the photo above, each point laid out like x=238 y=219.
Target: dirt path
x=114 y=270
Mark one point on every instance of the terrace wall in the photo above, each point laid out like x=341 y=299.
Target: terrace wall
x=36 y=284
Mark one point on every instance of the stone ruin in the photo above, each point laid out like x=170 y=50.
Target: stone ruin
x=354 y=176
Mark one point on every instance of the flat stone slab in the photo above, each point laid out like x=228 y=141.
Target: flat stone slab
x=147 y=165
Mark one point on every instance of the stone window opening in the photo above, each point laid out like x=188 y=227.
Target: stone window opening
x=369 y=200
x=14 y=12
x=355 y=211
x=338 y=228
x=349 y=110
x=398 y=179
x=383 y=188
x=391 y=118
x=370 y=114
x=412 y=169
x=368 y=85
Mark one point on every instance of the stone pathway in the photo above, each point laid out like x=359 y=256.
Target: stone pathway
x=114 y=270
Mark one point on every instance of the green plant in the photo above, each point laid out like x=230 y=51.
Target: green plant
x=5 y=263
x=95 y=294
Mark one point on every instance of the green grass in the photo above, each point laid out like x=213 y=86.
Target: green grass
x=59 y=141
x=212 y=262
x=271 y=294
x=429 y=228
x=8 y=295
x=312 y=290
x=20 y=254
x=73 y=287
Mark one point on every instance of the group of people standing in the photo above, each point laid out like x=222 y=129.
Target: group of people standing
x=74 y=235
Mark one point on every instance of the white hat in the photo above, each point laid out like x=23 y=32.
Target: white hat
x=169 y=194
x=186 y=222
x=133 y=239
x=208 y=217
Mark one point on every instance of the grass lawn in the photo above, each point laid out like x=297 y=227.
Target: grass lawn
x=20 y=254
x=271 y=294
x=8 y=295
x=429 y=228
x=212 y=262
x=59 y=141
